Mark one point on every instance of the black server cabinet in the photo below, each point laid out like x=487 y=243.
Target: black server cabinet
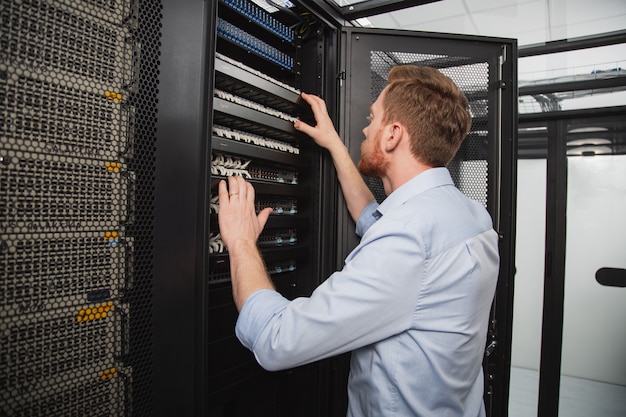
x=78 y=83
x=118 y=120
x=251 y=69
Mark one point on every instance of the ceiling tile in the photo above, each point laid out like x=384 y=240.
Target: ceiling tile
x=488 y=5
x=427 y=13
x=529 y=21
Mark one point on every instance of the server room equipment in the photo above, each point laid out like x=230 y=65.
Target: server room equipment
x=78 y=104
x=119 y=118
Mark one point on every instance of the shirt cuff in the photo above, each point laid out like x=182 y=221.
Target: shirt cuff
x=367 y=218
x=256 y=312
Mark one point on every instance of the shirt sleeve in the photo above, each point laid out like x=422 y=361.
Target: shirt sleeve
x=368 y=217
x=372 y=298
x=256 y=312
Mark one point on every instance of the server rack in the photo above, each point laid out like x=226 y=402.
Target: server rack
x=257 y=71
x=77 y=84
x=119 y=119
x=244 y=89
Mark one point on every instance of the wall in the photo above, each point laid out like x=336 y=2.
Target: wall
x=529 y=261
x=594 y=336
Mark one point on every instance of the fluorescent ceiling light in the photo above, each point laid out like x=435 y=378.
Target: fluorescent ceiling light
x=589 y=151
x=534 y=129
x=364 y=22
x=587 y=129
x=588 y=141
x=271 y=9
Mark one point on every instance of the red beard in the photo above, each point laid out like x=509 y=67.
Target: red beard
x=374 y=164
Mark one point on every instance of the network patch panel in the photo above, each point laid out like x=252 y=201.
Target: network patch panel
x=43 y=272
x=245 y=40
x=281 y=267
x=220 y=63
x=221 y=274
x=255 y=106
x=259 y=16
x=273 y=174
x=226 y=165
x=240 y=136
x=244 y=118
x=251 y=121
x=279 y=205
x=278 y=237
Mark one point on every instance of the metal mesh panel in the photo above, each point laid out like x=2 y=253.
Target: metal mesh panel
x=77 y=341
x=41 y=270
x=52 y=117
x=77 y=167
x=61 y=41
x=78 y=398
x=42 y=193
x=469 y=167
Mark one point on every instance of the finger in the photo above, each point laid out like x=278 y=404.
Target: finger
x=309 y=98
x=313 y=100
x=314 y=103
x=233 y=187
x=223 y=193
x=241 y=187
x=263 y=216
x=303 y=127
x=249 y=195
x=318 y=105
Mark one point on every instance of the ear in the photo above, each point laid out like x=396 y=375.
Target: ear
x=394 y=133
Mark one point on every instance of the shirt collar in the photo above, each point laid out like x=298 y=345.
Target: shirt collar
x=431 y=178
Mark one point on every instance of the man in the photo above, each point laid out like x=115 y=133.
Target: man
x=413 y=299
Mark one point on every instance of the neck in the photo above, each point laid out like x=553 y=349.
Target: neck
x=399 y=173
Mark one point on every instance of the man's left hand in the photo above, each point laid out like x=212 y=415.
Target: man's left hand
x=237 y=218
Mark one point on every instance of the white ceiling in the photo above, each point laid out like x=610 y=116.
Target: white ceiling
x=528 y=21
x=531 y=22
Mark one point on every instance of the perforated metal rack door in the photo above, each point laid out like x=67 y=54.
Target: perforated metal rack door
x=472 y=75
x=483 y=169
x=78 y=86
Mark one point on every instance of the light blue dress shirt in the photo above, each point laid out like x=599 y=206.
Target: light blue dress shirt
x=411 y=303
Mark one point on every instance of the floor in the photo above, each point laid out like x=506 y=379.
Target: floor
x=579 y=397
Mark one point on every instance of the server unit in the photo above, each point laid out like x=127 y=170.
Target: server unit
x=118 y=121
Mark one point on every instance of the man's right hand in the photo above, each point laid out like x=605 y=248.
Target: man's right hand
x=323 y=133
x=355 y=191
